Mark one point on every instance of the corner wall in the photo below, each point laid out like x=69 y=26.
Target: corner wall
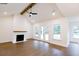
x=6 y=29
x=21 y=22
x=7 y=26
x=64 y=31
x=73 y=21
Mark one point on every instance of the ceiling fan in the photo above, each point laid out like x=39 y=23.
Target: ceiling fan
x=32 y=13
x=29 y=7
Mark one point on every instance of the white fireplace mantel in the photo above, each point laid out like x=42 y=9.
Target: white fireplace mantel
x=18 y=33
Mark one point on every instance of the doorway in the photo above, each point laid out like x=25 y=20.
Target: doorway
x=44 y=35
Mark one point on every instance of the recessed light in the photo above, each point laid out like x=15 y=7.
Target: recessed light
x=5 y=13
x=53 y=13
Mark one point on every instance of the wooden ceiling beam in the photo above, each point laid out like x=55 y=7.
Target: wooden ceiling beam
x=27 y=8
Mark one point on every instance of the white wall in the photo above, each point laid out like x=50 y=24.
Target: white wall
x=73 y=20
x=64 y=28
x=10 y=23
x=5 y=29
x=21 y=23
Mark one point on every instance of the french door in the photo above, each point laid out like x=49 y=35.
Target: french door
x=44 y=35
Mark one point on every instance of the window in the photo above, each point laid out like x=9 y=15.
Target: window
x=75 y=31
x=57 y=31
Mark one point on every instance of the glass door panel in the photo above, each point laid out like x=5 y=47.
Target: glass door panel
x=44 y=33
x=75 y=31
x=57 y=32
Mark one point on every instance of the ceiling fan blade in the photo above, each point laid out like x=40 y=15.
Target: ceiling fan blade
x=34 y=13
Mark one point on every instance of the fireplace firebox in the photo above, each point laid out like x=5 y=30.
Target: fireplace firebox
x=20 y=37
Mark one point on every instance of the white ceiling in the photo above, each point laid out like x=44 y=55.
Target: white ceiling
x=69 y=9
x=12 y=8
x=44 y=10
x=61 y=9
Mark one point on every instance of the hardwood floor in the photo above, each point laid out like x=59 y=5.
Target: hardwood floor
x=37 y=48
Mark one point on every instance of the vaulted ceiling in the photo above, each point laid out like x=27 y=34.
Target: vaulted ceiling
x=11 y=8
x=44 y=10
x=69 y=9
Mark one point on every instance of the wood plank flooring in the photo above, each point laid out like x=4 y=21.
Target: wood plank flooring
x=37 y=48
